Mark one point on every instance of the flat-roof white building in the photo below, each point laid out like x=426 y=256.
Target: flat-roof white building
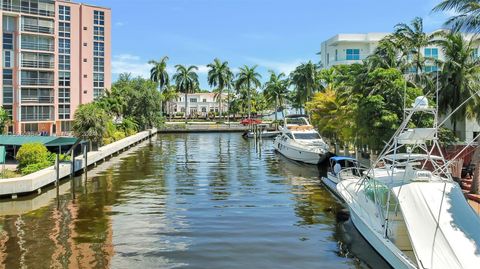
x=198 y=104
x=354 y=48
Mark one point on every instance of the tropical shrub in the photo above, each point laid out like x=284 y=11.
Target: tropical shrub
x=35 y=167
x=32 y=153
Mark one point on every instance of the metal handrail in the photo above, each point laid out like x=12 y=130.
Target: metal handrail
x=38 y=64
x=38 y=99
x=37 y=81
x=37 y=29
x=29 y=10
x=36 y=46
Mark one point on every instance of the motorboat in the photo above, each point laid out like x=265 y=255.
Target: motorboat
x=407 y=205
x=262 y=132
x=299 y=141
x=336 y=165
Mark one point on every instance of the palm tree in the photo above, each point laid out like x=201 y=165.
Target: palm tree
x=412 y=38
x=276 y=91
x=219 y=76
x=248 y=79
x=186 y=80
x=170 y=95
x=459 y=80
x=159 y=74
x=468 y=18
x=304 y=78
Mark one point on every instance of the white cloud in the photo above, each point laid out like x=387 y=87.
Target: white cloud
x=119 y=24
x=127 y=63
x=278 y=66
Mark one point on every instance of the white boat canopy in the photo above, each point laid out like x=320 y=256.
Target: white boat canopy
x=416 y=136
x=443 y=228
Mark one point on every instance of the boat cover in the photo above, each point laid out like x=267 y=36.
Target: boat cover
x=443 y=228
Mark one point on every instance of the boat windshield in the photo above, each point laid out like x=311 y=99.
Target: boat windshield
x=307 y=136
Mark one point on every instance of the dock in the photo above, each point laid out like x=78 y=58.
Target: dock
x=12 y=187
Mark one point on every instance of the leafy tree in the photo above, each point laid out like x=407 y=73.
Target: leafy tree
x=186 y=80
x=248 y=80
x=159 y=74
x=276 y=91
x=4 y=120
x=220 y=76
x=90 y=122
x=170 y=95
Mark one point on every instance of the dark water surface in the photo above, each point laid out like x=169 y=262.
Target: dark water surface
x=185 y=201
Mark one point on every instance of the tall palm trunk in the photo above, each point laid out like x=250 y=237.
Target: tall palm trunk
x=249 y=101
x=276 y=109
x=220 y=109
x=161 y=101
x=186 y=107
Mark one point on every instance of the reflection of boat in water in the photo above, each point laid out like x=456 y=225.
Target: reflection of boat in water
x=263 y=134
x=336 y=164
x=300 y=142
x=408 y=207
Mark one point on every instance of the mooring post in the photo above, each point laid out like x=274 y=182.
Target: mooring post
x=72 y=172
x=57 y=181
x=85 y=161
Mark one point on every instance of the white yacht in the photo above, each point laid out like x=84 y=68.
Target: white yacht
x=408 y=207
x=299 y=141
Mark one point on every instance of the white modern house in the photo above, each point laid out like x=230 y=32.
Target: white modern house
x=353 y=48
x=198 y=104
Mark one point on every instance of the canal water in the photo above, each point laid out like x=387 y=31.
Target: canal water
x=185 y=201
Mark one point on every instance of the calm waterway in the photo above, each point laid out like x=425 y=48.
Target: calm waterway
x=185 y=201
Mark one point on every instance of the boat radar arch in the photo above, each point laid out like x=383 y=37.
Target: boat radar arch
x=421 y=102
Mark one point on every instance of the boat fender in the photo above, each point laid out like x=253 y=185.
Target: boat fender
x=343 y=215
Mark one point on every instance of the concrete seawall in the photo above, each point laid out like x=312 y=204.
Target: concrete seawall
x=35 y=181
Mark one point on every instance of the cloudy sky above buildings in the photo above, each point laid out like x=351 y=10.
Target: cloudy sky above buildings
x=273 y=34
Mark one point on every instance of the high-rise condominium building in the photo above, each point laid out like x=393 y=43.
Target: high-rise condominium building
x=55 y=56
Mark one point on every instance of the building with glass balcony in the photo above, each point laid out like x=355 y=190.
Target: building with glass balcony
x=354 y=48
x=55 y=56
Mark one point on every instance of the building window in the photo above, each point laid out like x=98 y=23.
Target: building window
x=98 y=80
x=64 y=96
x=431 y=53
x=98 y=64
x=64 y=62
x=204 y=109
x=64 y=79
x=8 y=24
x=64 y=29
x=7 y=95
x=97 y=93
x=328 y=58
x=353 y=54
x=98 y=49
x=336 y=55
x=64 y=112
x=98 y=17
x=64 y=46
x=7 y=59
x=7 y=41
x=7 y=77
x=64 y=13
x=99 y=33
x=204 y=100
x=193 y=100
x=431 y=68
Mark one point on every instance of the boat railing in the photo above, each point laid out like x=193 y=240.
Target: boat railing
x=351 y=173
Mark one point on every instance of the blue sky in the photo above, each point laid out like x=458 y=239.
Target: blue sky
x=274 y=34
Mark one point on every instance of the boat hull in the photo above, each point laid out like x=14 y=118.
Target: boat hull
x=331 y=184
x=383 y=246
x=299 y=155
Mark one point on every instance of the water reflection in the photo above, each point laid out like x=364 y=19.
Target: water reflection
x=189 y=201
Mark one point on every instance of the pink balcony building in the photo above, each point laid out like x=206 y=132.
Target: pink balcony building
x=55 y=56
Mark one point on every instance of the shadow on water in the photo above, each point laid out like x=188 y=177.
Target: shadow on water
x=185 y=201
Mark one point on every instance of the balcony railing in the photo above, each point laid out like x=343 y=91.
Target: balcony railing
x=37 y=29
x=37 y=117
x=28 y=10
x=37 y=82
x=37 y=46
x=37 y=64
x=38 y=99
